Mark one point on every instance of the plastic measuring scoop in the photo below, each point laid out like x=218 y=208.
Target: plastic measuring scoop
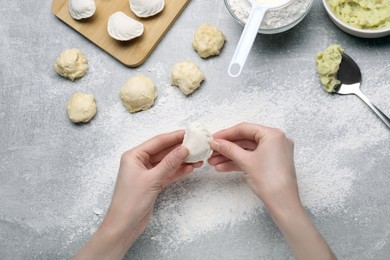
x=248 y=36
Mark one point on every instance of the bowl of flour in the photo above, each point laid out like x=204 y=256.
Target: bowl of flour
x=275 y=20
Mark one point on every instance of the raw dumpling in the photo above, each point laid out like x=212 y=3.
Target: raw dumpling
x=124 y=28
x=196 y=140
x=146 y=8
x=81 y=9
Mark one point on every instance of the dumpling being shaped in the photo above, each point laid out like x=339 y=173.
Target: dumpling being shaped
x=124 y=28
x=146 y=8
x=81 y=9
x=196 y=140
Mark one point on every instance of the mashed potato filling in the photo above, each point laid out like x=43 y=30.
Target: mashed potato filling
x=328 y=64
x=363 y=14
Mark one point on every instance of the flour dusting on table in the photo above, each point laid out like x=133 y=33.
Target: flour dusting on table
x=208 y=201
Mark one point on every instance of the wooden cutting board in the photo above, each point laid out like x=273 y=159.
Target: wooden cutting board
x=132 y=53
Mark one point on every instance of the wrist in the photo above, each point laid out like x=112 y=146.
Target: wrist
x=283 y=202
x=119 y=228
x=303 y=238
x=286 y=211
x=106 y=243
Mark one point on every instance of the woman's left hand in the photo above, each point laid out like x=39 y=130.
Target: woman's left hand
x=143 y=173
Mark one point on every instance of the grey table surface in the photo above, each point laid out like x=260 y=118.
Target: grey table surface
x=55 y=176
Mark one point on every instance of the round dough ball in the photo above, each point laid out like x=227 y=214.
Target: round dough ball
x=138 y=94
x=208 y=41
x=81 y=108
x=71 y=64
x=197 y=140
x=187 y=76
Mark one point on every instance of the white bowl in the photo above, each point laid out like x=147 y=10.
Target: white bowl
x=297 y=19
x=363 y=33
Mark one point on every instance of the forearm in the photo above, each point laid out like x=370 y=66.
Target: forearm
x=110 y=241
x=303 y=238
x=103 y=245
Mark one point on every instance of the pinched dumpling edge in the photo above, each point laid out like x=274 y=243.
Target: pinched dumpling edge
x=143 y=10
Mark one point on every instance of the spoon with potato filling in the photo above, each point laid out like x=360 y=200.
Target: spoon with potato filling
x=350 y=77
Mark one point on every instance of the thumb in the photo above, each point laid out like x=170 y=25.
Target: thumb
x=229 y=150
x=172 y=161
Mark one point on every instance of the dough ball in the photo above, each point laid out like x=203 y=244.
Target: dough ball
x=81 y=108
x=187 y=76
x=71 y=64
x=196 y=140
x=208 y=41
x=138 y=94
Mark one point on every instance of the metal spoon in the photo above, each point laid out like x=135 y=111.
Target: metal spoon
x=248 y=36
x=350 y=77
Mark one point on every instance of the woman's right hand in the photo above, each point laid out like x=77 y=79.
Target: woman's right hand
x=265 y=155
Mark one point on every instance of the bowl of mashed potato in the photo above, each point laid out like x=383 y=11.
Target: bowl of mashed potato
x=361 y=18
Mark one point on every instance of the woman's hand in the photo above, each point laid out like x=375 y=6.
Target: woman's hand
x=266 y=156
x=143 y=173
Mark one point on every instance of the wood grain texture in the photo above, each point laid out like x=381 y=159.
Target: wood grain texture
x=131 y=53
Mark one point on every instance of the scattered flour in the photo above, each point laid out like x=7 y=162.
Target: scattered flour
x=204 y=202
x=275 y=18
x=207 y=201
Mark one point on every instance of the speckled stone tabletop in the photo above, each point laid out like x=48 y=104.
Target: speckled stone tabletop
x=56 y=178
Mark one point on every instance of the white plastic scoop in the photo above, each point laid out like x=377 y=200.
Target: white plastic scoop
x=248 y=36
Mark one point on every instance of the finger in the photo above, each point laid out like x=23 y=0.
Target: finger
x=161 y=142
x=248 y=131
x=181 y=172
x=227 y=167
x=156 y=158
x=135 y=158
x=245 y=144
x=214 y=154
x=195 y=165
x=291 y=143
x=229 y=150
x=171 y=162
x=218 y=160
